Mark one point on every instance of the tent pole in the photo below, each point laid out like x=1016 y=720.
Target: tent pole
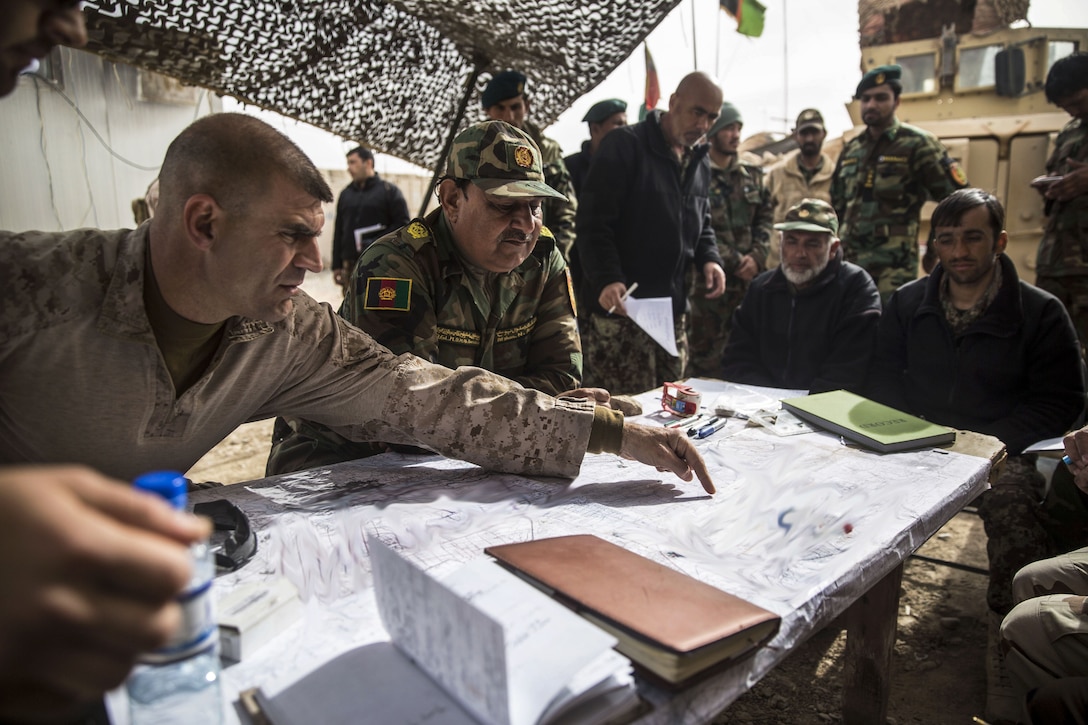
x=479 y=63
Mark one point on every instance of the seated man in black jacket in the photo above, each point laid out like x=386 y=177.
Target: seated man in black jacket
x=810 y=323
x=973 y=347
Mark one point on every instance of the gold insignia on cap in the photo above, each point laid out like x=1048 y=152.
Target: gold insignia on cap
x=523 y=156
x=803 y=213
x=879 y=80
x=417 y=230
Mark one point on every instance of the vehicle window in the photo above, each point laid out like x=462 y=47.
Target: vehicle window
x=919 y=72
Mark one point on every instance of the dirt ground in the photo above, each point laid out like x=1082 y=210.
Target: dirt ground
x=938 y=662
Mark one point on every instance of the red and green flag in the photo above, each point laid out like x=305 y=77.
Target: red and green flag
x=653 y=87
x=748 y=14
x=388 y=293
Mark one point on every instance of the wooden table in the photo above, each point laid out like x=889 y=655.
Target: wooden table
x=801 y=525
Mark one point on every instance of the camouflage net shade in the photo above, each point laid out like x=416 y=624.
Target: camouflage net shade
x=392 y=75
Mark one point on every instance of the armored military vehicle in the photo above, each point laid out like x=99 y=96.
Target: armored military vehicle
x=980 y=92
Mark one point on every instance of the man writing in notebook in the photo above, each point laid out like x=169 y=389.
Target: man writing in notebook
x=973 y=347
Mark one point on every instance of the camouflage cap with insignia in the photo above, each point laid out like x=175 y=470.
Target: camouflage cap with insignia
x=601 y=110
x=810 y=215
x=500 y=159
x=809 y=118
x=879 y=76
x=504 y=84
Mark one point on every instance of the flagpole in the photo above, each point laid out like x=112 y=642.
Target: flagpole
x=694 y=41
x=785 y=68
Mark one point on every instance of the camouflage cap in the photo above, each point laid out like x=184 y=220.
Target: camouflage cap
x=504 y=84
x=879 y=76
x=601 y=110
x=809 y=118
x=500 y=159
x=810 y=215
x=729 y=115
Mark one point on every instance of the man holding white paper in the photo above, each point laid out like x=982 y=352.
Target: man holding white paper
x=644 y=217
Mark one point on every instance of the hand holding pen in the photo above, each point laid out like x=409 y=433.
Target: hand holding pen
x=610 y=291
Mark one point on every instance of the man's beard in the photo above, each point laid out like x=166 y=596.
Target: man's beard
x=809 y=150
x=804 y=277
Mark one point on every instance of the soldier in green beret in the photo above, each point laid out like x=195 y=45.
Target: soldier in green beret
x=883 y=177
x=479 y=281
x=741 y=214
x=505 y=98
x=602 y=117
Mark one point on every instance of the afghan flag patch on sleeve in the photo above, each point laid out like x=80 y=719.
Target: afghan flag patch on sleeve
x=388 y=293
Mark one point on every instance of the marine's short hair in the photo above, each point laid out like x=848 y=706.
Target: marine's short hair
x=1067 y=76
x=950 y=211
x=234 y=158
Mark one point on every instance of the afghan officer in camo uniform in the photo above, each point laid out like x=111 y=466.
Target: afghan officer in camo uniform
x=741 y=214
x=479 y=281
x=881 y=181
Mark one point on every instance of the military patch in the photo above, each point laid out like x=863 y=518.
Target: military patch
x=523 y=156
x=879 y=80
x=457 y=337
x=957 y=174
x=513 y=333
x=570 y=292
x=388 y=293
x=418 y=231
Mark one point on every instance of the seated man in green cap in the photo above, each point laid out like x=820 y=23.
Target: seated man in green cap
x=477 y=282
x=602 y=117
x=811 y=323
x=505 y=99
x=741 y=212
x=882 y=178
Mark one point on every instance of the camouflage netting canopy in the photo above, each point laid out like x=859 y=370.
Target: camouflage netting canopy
x=898 y=21
x=391 y=75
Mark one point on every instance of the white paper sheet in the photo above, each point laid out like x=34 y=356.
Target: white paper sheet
x=654 y=316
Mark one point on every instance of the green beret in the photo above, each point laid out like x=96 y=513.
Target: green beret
x=729 y=115
x=504 y=84
x=879 y=76
x=811 y=215
x=500 y=159
x=601 y=110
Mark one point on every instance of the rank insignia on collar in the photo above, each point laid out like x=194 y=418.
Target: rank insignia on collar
x=417 y=230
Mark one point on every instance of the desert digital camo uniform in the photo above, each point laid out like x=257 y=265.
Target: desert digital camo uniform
x=82 y=378
x=878 y=190
x=1062 y=264
x=1046 y=633
x=559 y=215
x=741 y=214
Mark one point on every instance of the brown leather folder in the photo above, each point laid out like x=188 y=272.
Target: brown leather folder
x=666 y=622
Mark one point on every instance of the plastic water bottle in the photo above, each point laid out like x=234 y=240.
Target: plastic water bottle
x=180 y=682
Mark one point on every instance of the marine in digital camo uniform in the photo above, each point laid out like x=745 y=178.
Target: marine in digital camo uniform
x=883 y=177
x=741 y=214
x=505 y=99
x=1062 y=264
x=414 y=291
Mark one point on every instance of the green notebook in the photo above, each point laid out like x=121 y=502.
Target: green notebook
x=867 y=422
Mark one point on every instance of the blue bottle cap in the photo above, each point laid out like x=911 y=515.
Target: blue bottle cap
x=171 y=485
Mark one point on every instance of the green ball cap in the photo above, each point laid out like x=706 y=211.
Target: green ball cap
x=729 y=115
x=810 y=215
x=500 y=159
x=601 y=110
x=877 y=77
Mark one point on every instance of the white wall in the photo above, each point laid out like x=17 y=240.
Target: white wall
x=55 y=174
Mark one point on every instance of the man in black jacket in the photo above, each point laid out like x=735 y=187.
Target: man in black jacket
x=810 y=323
x=973 y=347
x=644 y=217
x=368 y=208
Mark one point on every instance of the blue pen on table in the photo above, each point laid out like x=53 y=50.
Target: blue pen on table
x=692 y=432
x=708 y=430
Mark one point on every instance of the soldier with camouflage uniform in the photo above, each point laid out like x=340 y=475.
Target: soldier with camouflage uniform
x=741 y=214
x=1062 y=264
x=505 y=99
x=441 y=288
x=882 y=178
